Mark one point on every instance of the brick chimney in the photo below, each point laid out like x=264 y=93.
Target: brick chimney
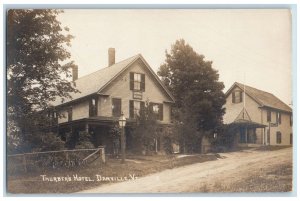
x=111 y=56
x=75 y=72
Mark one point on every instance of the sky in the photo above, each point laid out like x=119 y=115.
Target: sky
x=249 y=46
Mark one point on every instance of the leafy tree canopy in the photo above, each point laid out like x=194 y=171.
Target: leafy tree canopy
x=37 y=67
x=195 y=86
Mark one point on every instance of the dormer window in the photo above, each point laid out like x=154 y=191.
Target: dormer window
x=137 y=81
x=237 y=96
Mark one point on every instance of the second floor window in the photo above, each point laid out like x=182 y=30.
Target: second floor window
x=137 y=81
x=278 y=118
x=93 y=107
x=135 y=108
x=269 y=116
x=157 y=109
x=70 y=114
x=116 y=107
x=291 y=120
x=237 y=96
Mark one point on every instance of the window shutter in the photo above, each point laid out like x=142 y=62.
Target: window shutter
x=241 y=96
x=131 y=109
x=142 y=82
x=161 y=112
x=131 y=83
x=233 y=97
x=142 y=107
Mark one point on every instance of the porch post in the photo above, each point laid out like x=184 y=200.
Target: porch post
x=246 y=134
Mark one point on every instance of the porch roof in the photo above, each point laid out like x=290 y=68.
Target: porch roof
x=248 y=124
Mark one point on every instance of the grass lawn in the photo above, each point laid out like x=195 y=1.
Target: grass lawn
x=113 y=170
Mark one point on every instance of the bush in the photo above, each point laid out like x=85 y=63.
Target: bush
x=84 y=141
x=225 y=139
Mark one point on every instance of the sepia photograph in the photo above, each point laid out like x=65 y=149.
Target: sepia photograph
x=169 y=101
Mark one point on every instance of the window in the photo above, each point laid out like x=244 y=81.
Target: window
x=135 y=108
x=278 y=137
x=70 y=114
x=157 y=109
x=291 y=138
x=116 y=107
x=237 y=96
x=137 y=81
x=93 y=107
x=278 y=117
x=291 y=120
x=268 y=116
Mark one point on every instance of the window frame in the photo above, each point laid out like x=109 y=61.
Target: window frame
x=269 y=115
x=70 y=113
x=278 y=117
x=136 y=112
x=159 y=114
x=113 y=112
x=278 y=137
x=237 y=96
x=137 y=81
x=93 y=109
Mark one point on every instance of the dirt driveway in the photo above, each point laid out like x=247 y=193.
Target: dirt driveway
x=233 y=167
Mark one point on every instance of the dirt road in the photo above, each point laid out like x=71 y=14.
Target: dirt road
x=233 y=167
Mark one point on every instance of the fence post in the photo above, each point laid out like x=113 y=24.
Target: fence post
x=24 y=163
x=102 y=153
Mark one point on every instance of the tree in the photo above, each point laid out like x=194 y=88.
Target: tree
x=145 y=132
x=37 y=67
x=197 y=90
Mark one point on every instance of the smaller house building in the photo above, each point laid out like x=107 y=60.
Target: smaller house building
x=121 y=87
x=260 y=118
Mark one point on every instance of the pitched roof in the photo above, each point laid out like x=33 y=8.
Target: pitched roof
x=263 y=98
x=96 y=81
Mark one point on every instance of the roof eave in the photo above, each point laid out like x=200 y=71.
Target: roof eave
x=277 y=109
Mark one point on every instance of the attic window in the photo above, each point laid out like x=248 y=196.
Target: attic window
x=237 y=96
x=137 y=81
